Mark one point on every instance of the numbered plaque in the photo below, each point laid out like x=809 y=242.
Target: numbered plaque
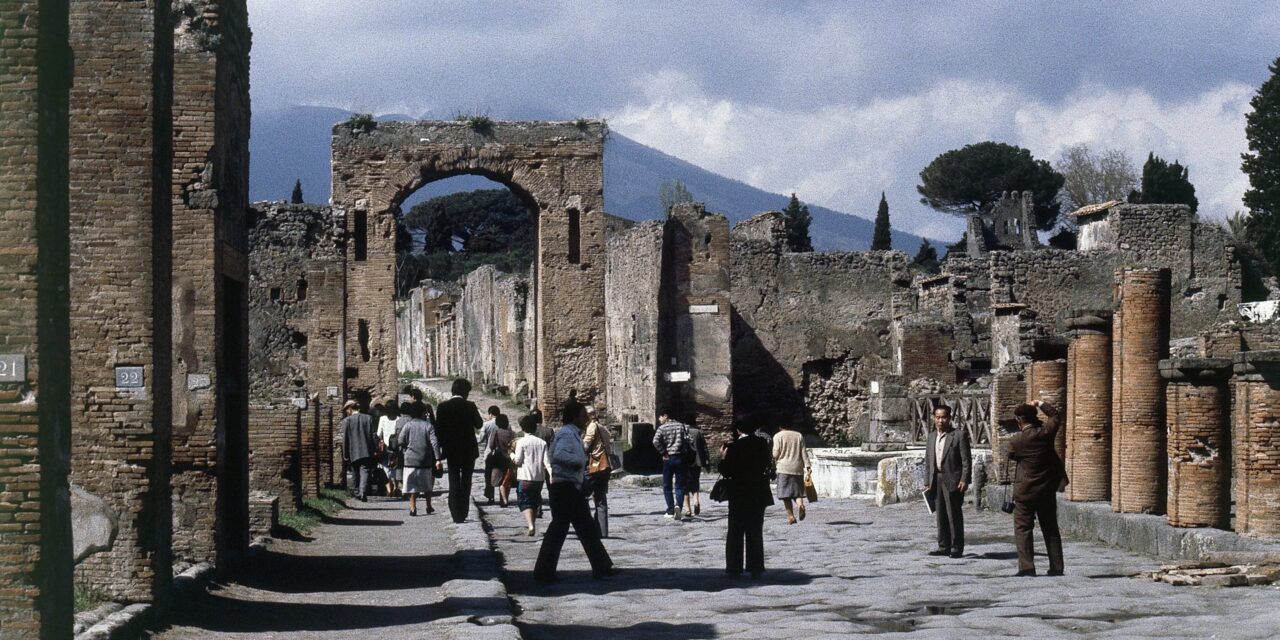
x=13 y=367
x=128 y=377
x=332 y=392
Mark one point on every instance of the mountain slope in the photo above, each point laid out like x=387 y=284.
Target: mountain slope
x=294 y=144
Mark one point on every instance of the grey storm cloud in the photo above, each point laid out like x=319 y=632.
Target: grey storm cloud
x=837 y=101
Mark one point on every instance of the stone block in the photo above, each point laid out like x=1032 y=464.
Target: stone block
x=93 y=524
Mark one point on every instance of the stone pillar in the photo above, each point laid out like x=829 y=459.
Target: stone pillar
x=1255 y=442
x=890 y=419
x=1008 y=390
x=210 y=279
x=1047 y=381
x=1138 y=460
x=121 y=303
x=1088 y=412
x=35 y=407
x=1199 y=487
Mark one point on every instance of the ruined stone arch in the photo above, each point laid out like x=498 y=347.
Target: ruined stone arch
x=556 y=168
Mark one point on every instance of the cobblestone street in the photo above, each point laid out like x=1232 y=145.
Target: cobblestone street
x=852 y=568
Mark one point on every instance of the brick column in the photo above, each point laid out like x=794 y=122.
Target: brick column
x=121 y=314
x=1138 y=465
x=35 y=523
x=1088 y=428
x=1255 y=442
x=1199 y=487
x=1008 y=390
x=1047 y=381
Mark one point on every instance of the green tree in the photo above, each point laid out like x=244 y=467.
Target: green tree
x=1254 y=265
x=968 y=180
x=926 y=258
x=1164 y=183
x=672 y=193
x=1262 y=165
x=797 y=218
x=882 y=239
x=1090 y=178
x=296 y=197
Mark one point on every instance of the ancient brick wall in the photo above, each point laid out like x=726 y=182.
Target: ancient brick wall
x=1008 y=390
x=120 y=176
x=295 y=336
x=695 y=310
x=35 y=530
x=922 y=348
x=633 y=282
x=1255 y=442
x=555 y=167
x=1139 y=470
x=1088 y=414
x=210 y=200
x=814 y=309
x=1199 y=484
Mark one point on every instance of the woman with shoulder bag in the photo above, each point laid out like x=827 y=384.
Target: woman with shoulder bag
x=744 y=464
x=597 y=443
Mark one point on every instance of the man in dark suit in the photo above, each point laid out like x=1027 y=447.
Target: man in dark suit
x=359 y=445
x=948 y=464
x=1039 y=476
x=745 y=463
x=457 y=422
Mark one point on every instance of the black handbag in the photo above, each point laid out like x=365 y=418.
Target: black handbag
x=720 y=490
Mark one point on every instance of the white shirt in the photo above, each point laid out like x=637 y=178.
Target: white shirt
x=937 y=449
x=530 y=458
x=387 y=429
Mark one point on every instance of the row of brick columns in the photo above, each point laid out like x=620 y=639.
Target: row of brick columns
x=1163 y=435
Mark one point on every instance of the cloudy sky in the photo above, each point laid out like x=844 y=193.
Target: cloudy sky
x=836 y=101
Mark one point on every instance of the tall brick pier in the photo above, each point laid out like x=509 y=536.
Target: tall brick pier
x=1088 y=455
x=1138 y=469
x=1255 y=442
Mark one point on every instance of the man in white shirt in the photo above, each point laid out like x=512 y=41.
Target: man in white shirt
x=949 y=467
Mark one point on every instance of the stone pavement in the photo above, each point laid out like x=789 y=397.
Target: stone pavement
x=852 y=568
x=372 y=571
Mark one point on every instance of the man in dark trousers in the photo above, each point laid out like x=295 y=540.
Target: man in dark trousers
x=457 y=422
x=948 y=463
x=744 y=463
x=1040 y=475
x=359 y=445
x=567 y=459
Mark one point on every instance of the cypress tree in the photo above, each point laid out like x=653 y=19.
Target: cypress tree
x=798 y=218
x=1262 y=165
x=882 y=240
x=1164 y=183
x=296 y=198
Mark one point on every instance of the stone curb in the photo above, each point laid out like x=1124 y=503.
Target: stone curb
x=478 y=594
x=113 y=621
x=1146 y=534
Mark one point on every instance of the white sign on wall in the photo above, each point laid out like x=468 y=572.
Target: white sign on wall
x=678 y=376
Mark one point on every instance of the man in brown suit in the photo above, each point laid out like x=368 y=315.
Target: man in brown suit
x=1039 y=476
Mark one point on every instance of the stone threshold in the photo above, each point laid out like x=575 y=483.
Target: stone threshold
x=1146 y=534
x=115 y=621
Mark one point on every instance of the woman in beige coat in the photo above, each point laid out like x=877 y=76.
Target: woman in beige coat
x=791 y=460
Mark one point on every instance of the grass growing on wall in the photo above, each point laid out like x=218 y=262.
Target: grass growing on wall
x=87 y=598
x=314 y=510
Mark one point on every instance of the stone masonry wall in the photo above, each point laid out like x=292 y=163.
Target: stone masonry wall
x=695 y=312
x=35 y=524
x=120 y=176
x=556 y=168
x=633 y=280
x=793 y=309
x=210 y=201
x=296 y=297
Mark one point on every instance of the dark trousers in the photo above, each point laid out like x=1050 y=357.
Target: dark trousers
x=360 y=470
x=488 y=484
x=569 y=508
x=597 y=487
x=1024 y=522
x=673 y=481
x=746 y=524
x=949 y=511
x=460 y=489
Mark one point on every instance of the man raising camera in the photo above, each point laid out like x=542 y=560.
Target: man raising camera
x=1039 y=475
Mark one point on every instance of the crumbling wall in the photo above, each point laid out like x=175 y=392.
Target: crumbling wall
x=295 y=308
x=795 y=308
x=482 y=333
x=411 y=347
x=633 y=280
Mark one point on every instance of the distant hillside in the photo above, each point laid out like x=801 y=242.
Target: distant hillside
x=294 y=144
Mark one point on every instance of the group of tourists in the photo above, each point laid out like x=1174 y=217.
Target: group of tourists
x=410 y=445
